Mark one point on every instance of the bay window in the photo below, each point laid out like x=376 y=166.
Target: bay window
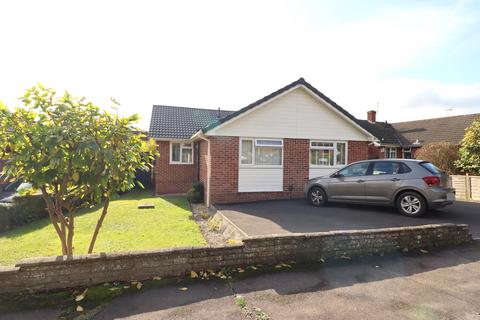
x=328 y=154
x=181 y=153
x=261 y=152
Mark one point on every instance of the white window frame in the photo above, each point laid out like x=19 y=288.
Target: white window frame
x=255 y=144
x=388 y=152
x=409 y=150
x=335 y=152
x=182 y=147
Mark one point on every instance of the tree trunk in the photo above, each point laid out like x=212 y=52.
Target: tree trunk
x=55 y=220
x=99 y=224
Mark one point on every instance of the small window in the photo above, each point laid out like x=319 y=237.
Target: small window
x=381 y=168
x=181 y=153
x=328 y=153
x=355 y=170
x=407 y=153
x=390 y=153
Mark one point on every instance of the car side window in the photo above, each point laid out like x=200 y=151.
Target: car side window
x=387 y=167
x=355 y=170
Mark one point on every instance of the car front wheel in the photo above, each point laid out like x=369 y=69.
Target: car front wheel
x=411 y=204
x=317 y=197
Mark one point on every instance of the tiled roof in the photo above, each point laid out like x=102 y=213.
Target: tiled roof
x=450 y=129
x=384 y=132
x=181 y=123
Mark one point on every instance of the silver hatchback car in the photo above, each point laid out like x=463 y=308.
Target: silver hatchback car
x=412 y=186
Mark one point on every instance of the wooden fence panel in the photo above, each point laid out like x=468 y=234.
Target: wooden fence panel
x=460 y=185
x=475 y=187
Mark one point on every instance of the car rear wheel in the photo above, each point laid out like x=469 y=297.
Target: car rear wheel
x=411 y=204
x=317 y=197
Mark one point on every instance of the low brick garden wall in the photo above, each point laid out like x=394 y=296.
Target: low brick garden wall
x=84 y=270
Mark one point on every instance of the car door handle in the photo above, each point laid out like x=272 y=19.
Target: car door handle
x=360 y=181
x=395 y=179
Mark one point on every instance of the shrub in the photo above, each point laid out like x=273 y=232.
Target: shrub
x=23 y=210
x=442 y=154
x=469 y=160
x=195 y=194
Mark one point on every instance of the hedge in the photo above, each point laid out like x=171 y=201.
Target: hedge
x=23 y=210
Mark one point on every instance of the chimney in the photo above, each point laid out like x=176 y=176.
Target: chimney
x=372 y=116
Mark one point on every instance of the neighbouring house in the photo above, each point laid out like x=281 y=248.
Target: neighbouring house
x=270 y=148
x=404 y=139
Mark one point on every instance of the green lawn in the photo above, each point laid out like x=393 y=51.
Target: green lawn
x=125 y=228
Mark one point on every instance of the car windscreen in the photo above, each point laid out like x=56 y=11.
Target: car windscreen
x=431 y=167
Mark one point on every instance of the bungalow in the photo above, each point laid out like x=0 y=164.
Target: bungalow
x=264 y=151
x=270 y=148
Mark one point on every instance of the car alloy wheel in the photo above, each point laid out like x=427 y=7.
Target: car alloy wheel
x=318 y=197
x=411 y=204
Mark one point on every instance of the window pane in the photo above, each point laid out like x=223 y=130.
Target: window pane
x=321 y=157
x=341 y=153
x=176 y=152
x=246 y=157
x=322 y=144
x=187 y=155
x=359 y=169
x=264 y=142
x=380 y=168
x=268 y=156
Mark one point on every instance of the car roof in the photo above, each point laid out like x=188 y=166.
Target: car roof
x=391 y=160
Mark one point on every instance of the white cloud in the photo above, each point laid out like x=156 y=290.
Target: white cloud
x=217 y=53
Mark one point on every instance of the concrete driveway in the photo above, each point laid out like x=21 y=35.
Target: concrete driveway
x=285 y=216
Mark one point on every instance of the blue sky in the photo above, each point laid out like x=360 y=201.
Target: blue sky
x=416 y=59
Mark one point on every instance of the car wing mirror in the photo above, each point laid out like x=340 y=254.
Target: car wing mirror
x=337 y=175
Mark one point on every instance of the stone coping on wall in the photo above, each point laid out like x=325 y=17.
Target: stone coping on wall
x=83 y=270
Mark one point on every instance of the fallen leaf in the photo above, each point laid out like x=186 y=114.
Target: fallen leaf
x=423 y=251
x=79 y=309
x=278 y=266
x=126 y=287
x=183 y=289
x=253 y=267
x=193 y=274
x=157 y=278
x=241 y=270
x=139 y=285
x=322 y=260
x=81 y=296
x=286 y=265
x=134 y=282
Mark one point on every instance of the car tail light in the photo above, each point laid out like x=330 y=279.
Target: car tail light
x=432 y=181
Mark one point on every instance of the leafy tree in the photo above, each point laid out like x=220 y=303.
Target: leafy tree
x=470 y=149
x=442 y=154
x=74 y=153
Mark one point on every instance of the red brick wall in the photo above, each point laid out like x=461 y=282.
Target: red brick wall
x=295 y=165
x=224 y=179
x=357 y=150
x=172 y=178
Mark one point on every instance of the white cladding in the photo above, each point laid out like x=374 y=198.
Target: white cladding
x=260 y=179
x=296 y=114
